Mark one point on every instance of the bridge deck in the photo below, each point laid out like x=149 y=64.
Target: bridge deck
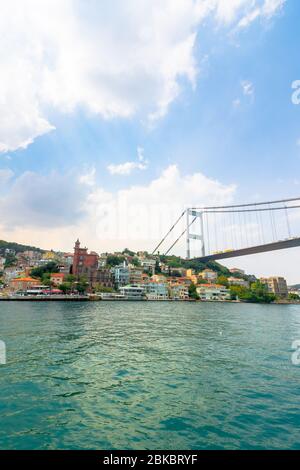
x=280 y=245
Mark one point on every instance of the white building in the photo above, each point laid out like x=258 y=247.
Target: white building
x=236 y=281
x=212 y=292
x=209 y=275
x=133 y=292
x=179 y=292
x=2 y=263
x=148 y=264
x=121 y=275
x=156 y=291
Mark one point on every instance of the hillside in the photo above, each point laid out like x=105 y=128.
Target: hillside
x=16 y=247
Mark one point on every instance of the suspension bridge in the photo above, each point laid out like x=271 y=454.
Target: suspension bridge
x=231 y=231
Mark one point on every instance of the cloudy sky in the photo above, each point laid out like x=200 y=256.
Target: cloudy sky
x=115 y=115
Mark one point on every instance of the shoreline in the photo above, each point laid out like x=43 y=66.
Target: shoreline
x=93 y=299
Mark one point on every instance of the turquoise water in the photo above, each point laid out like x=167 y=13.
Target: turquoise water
x=136 y=375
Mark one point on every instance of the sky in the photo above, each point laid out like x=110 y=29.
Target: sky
x=115 y=116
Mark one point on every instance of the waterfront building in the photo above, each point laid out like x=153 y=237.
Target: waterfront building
x=208 y=275
x=276 y=285
x=213 y=292
x=237 y=281
x=23 y=284
x=156 y=291
x=120 y=275
x=135 y=275
x=85 y=264
x=105 y=277
x=57 y=278
x=133 y=292
x=111 y=296
x=179 y=292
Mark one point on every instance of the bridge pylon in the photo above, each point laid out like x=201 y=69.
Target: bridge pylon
x=194 y=214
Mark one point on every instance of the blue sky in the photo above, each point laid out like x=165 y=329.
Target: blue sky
x=203 y=88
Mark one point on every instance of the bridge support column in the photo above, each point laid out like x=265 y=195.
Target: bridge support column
x=190 y=236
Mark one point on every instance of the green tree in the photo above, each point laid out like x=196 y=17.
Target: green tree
x=135 y=261
x=157 y=267
x=10 y=260
x=222 y=280
x=66 y=287
x=128 y=252
x=193 y=291
x=46 y=279
x=114 y=260
x=257 y=293
x=293 y=296
x=82 y=285
x=101 y=288
x=50 y=267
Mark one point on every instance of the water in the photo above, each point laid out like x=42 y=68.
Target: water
x=136 y=375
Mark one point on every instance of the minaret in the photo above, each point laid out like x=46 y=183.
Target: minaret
x=76 y=257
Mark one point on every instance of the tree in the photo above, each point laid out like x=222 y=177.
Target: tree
x=46 y=279
x=114 y=260
x=222 y=280
x=10 y=260
x=101 y=288
x=50 y=267
x=293 y=296
x=157 y=267
x=128 y=252
x=257 y=293
x=193 y=291
x=65 y=287
x=135 y=261
x=82 y=285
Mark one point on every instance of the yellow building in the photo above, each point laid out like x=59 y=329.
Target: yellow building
x=190 y=274
x=23 y=283
x=49 y=255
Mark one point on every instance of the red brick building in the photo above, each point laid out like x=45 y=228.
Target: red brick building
x=87 y=264
x=84 y=263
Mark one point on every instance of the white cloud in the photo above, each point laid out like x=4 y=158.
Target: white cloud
x=236 y=103
x=115 y=59
x=127 y=167
x=141 y=214
x=5 y=175
x=46 y=206
x=247 y=87
x=89 y=177
x=48 y=201
x=266 y=9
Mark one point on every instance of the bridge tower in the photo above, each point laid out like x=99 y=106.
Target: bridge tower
x=191 y=236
